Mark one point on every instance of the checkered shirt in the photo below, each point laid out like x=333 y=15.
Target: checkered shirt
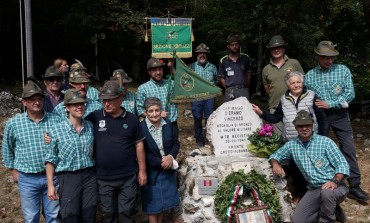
x=23 y=146
x=92 y=93
x=158 y=90
x=69 y=150
x=207 y=72
x=333 y=85
x=129 y=102
x=318 y=162
x=91 y=106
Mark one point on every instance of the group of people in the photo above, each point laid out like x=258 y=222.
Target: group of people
x=70 y=151
x=74 y=146
x=305 y=107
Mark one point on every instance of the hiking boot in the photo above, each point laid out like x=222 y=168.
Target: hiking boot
x=339 y=214
x=358 y=194
x=200 y=145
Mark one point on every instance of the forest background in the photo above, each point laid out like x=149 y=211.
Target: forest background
x=65 y=29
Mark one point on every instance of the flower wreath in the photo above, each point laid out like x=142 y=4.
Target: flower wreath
x=266 y=192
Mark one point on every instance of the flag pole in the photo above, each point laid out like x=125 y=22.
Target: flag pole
x=169 y=78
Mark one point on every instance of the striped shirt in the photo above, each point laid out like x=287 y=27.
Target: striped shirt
x=70 y=150
x=91 y=106
x=318 y=161
x=207 y=72
x=158 y=90
x=129 y=102
x=333 y=85
x=23 y=146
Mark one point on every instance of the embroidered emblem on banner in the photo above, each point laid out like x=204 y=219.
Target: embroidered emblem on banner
x=186 y=82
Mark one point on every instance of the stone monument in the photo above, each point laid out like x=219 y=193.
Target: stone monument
x=230 y=125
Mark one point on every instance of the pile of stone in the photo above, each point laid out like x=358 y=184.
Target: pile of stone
x=9 y=104
x=201 y=173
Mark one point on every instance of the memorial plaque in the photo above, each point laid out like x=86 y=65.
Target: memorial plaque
x=230 y=125
x=207 y=185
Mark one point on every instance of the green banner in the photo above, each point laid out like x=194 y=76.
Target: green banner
x=189 y=86
x=169 y=34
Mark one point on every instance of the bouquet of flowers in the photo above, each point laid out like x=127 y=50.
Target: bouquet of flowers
x=264 y=141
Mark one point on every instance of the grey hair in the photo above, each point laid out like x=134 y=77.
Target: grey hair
x=151 y=101
x=292 y=74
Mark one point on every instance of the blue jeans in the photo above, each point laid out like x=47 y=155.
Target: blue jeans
x=33 y=189
x=201 y=109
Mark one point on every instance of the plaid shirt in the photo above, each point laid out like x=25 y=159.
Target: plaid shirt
x=129 y=102
x=158 y=90
x=91 y=106
x=92 y=93
x=69 y=150
x=333 y=85
x=207 y=72
x=318 y=161
x=23 y=146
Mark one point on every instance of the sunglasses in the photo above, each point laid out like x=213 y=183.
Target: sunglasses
x=53 y=79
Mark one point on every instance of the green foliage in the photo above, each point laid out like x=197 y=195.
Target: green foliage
x=303 y=23
x=265 y=188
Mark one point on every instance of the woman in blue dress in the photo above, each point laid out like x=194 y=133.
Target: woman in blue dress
x=161 y=148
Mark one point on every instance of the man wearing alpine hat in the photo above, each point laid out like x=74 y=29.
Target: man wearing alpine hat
x=235 y=70
x=159 y=88
x=129 y=98
x=24 y=152
x=207 y=71
x=333 y=85
x=79 y=80
x=119 y=155
x=324 y=168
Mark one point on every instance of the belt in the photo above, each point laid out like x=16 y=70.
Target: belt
x=42 y=173
x=76 y=171
x=238 y=86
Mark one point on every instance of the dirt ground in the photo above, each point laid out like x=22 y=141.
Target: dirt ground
x=10 y=211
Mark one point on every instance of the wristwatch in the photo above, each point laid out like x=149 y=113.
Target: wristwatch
x=336 y=181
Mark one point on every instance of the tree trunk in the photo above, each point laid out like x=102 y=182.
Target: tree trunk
x=259 y=64
x=136 y=64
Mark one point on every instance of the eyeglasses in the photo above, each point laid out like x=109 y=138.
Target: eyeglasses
x=53 y=79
